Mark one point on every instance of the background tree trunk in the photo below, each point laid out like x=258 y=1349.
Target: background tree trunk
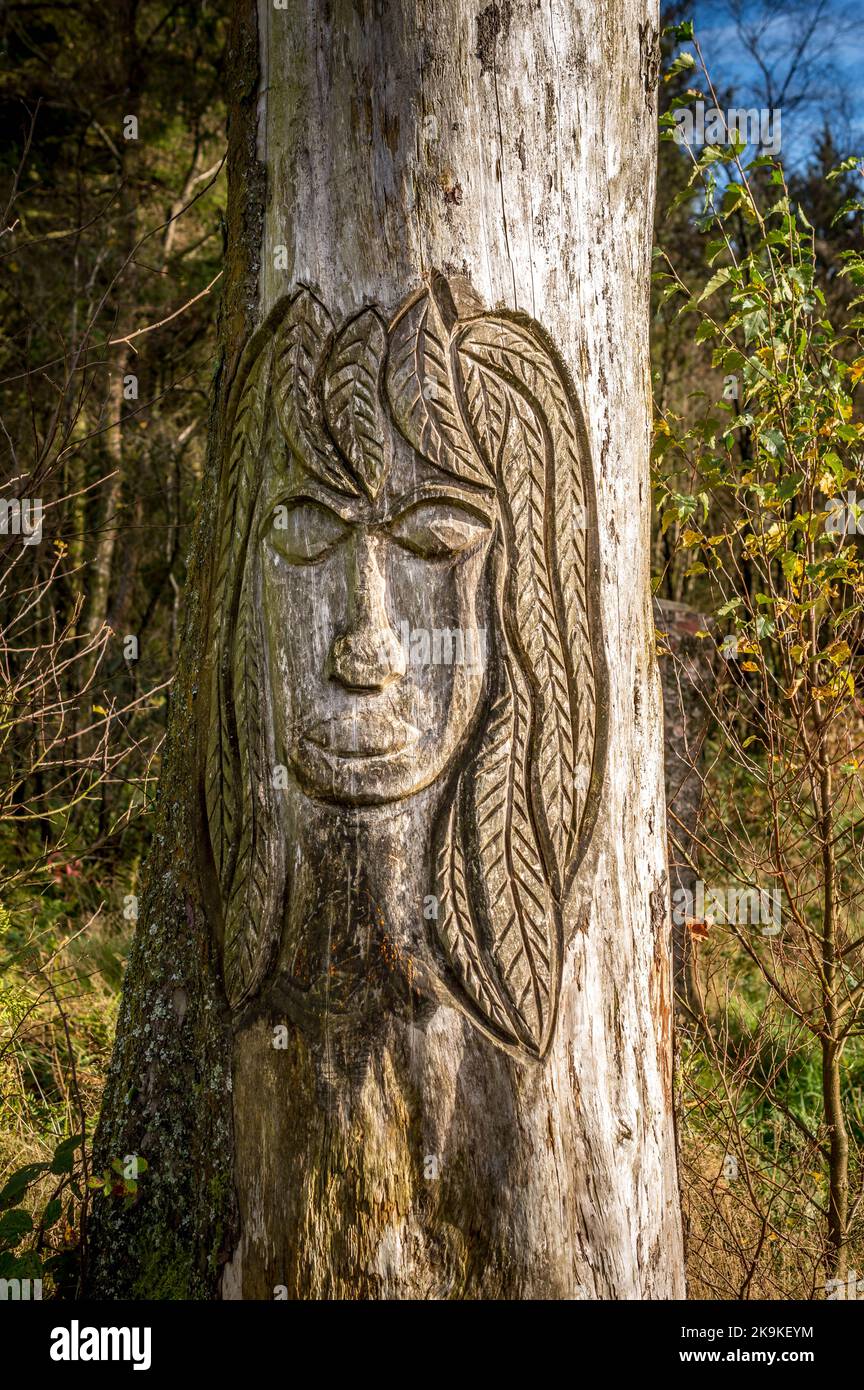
x=371 y=144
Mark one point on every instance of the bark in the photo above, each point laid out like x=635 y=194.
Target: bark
x=331 y=1102
x=103 y=565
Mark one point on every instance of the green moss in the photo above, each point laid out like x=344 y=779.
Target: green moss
x=166 y=1271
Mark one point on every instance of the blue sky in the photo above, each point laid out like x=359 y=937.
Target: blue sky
x=831 y=86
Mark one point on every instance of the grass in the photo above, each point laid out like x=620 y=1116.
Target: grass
x=60 y=972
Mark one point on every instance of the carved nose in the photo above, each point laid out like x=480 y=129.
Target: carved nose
x=367 y=655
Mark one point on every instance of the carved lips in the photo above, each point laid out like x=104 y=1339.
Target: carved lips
x=362 y=734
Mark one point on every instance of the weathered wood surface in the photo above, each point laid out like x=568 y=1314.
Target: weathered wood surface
x=418 y=1129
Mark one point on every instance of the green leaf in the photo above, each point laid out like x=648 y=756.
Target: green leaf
x=720 y=277
x=19 y=1182
x=789 y=486
x=729 y=607
x=683 y=63
x=843 y=168
x=27 y=1265
x=52 y=1213
x=669 y=291
x=754 y=323
x=734 y=194
x=64 y=1155
x=790 y=561
x=14 y=1225
x=773 y=443
x=713 y=154
x=733 y=360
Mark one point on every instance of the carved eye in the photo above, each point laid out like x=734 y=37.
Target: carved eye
x=303 y=531
x=438 y=529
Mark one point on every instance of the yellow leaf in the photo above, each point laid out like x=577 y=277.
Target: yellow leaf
x=838 y=652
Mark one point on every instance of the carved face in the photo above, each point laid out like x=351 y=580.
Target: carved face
x=376 y=616
x=403 y=594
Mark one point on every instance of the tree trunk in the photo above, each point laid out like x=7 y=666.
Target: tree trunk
x=102 y=567
x=397 y=1021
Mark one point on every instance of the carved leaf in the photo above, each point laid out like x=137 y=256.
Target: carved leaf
x=422 y=392
x=246 y=424
x=522 y=916
x=236 y=755
x=508 y=960
x=352 y=398
x=458 y=932
x=301 y=341
x=526 y=473
x=487 y=410
x=251 y=915
x=515 y=355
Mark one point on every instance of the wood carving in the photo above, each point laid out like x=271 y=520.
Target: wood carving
x=390 y=476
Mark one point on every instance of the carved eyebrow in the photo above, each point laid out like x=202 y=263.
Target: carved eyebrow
x=346 y=509
x=436 y=492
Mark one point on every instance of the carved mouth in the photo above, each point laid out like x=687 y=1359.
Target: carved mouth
x=366 y=735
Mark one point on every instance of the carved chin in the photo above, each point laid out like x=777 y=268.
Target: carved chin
x=361 y=778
